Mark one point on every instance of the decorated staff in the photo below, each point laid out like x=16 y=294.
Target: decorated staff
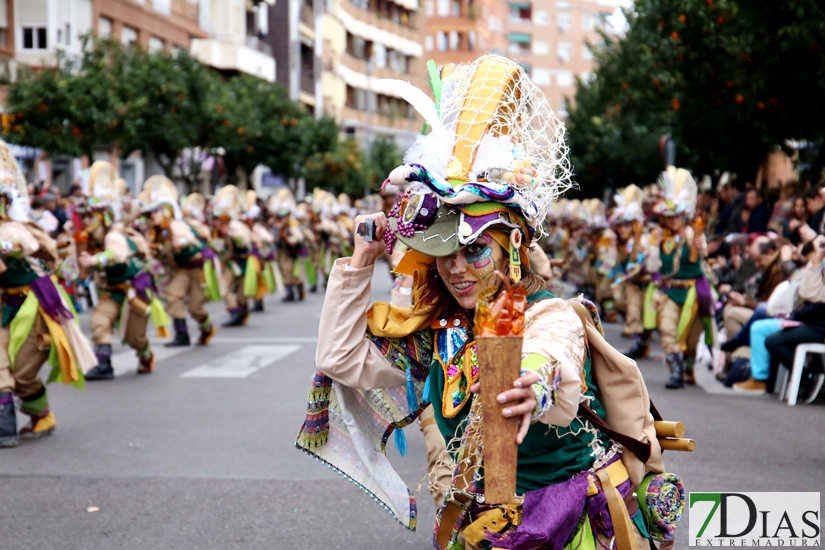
x=479 y=186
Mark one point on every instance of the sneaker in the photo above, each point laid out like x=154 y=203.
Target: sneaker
x=751 y=386
x=809 y=386
x=39 y=427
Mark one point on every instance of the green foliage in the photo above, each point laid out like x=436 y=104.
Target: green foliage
x=384 y=158
x=729 y=80
x=127 y=99
x=340 y=170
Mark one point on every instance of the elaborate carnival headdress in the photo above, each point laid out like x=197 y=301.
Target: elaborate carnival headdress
x=628 y=205
x=227 y=203
x=13 y=187
x=194 y=206
x=282 y=203
x=679 y=193
x=160 y=192
x=495 y=157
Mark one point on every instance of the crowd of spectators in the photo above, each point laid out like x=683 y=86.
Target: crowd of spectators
x=766 y=252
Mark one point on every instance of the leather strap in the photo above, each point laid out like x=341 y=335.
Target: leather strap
x=639 y=448
x=622 y=526
x=455 y=506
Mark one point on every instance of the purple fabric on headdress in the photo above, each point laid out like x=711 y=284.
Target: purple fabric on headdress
x=255 y=252
x=208 y=253
x=551 y=515
x=49 y=299
x=143 y=285
x=6 y=399
x=445 y=190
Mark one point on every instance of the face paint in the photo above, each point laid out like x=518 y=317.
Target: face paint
x=470 y=272
x=479 y=253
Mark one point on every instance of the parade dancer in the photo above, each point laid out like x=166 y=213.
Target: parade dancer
x=182 y=241
x=127 y=297
x=628 y=278
x=478 y=194
x=291 y=239
x=258 y=278
x=682 y=302
x=234 y=243
x=38 y=321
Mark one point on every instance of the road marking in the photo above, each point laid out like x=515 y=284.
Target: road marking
x=241 y=363
x=126 y=362
x=253 y=340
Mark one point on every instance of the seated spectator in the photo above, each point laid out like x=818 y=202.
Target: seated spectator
x=736 y=311
x=806 y=324
x=815 y=206
x=760 y=213
x=769 y=260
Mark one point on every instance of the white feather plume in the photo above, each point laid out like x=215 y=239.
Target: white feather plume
x=493 y=151
x=420 y=101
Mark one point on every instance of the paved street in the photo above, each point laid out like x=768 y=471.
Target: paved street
x=200 y=453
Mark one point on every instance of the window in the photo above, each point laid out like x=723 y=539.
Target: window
x=104 y=26
x=454 y=40
x=564 y=20
x=541 y=17
x=34 y=38
x=541 y=47
x=429 y=8
x=443 y=8
x=588 y=22
x=68 y=41
x=156 y=44
x=428 y=42
x=541 y=77
x=562 y=108
x=4 y=23
x=128 y=36
x=441 y=39
x=162 y=6
x=564 y=80
x=456 y=8
x=520 y=13
x=471 y=40
x=587 y=53
x=563 y=50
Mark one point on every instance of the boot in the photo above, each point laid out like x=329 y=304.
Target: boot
x=640 y=348
x=39 y=426
x=244 y=315
x=301 y=292
x=103 y=370
x=208 y=330
x=314 y=288
x=290 y=294
x=146 y=360
x=676 y=363
x=181 y=335
x=235 y=318
x=8 y=421
x=689 y=376
x=259 y=306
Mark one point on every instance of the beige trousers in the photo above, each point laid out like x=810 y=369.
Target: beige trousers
x=629 y=302
x=234 y=297
x=440 y=476
x=668 y=313
x=287 y=266
x=105 y=315
x=735 y=318
x=186 y=282
x=24 y=379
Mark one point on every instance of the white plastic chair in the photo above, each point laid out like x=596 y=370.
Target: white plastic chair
x=790 y=385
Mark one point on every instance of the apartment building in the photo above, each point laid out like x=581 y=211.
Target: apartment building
x=364 y=41
x=548 y=37
x=295 y=38
x=462 y=30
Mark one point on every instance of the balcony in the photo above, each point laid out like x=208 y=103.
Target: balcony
x=307 y=14
x=307 y=80
x=258 y=45
x=235 y=56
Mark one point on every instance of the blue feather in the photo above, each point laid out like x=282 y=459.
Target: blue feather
x=401 y=441
x=412 y=399
x=426 y=395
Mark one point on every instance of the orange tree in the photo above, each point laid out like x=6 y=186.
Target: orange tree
x=729 y=80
